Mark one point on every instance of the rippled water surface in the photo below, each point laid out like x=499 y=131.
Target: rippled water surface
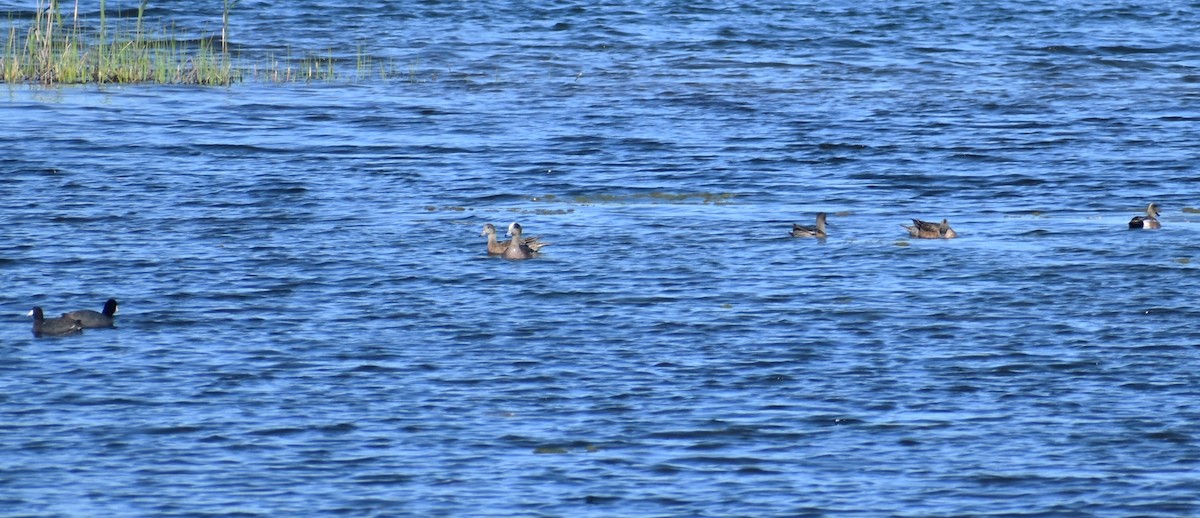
x=310 y=324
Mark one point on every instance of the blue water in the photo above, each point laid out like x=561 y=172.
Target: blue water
x=310 y=324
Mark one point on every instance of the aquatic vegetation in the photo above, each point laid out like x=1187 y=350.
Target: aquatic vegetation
x=708 y=198
x=367 y=67
x=290 y=69
x=52 y=50
x=705 y=198
x=47 y=48
x=561 y=450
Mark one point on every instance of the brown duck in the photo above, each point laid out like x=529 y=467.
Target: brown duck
x=517 y=249
x=817 y=231
x=929 y=230
x=498 y=247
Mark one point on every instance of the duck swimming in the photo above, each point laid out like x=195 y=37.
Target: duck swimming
x=928 y=230
x=817 y=231
x=517 y=249
x=498 y=247
x=1149 y=221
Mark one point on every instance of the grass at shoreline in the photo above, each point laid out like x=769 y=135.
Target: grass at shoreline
x=50 y=49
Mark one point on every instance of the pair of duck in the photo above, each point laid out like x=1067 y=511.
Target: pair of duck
x=73 y=322
x=515 y=248
x=929 y=230
x=920 y=229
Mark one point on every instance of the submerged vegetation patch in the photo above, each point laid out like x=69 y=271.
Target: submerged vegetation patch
x=706 y=198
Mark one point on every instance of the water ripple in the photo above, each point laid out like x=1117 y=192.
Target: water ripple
x=309 y=323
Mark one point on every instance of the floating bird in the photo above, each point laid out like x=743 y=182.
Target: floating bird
x=517 y=249
x=817 y=231
x=92 y=319
x=498 y=247
x=60 y=326
x=1149 y=221
x=928 y=230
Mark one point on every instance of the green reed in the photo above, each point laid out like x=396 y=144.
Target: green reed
x=56 y=49
x=53 y=50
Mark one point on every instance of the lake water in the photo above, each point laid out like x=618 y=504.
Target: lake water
x=310 y=324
